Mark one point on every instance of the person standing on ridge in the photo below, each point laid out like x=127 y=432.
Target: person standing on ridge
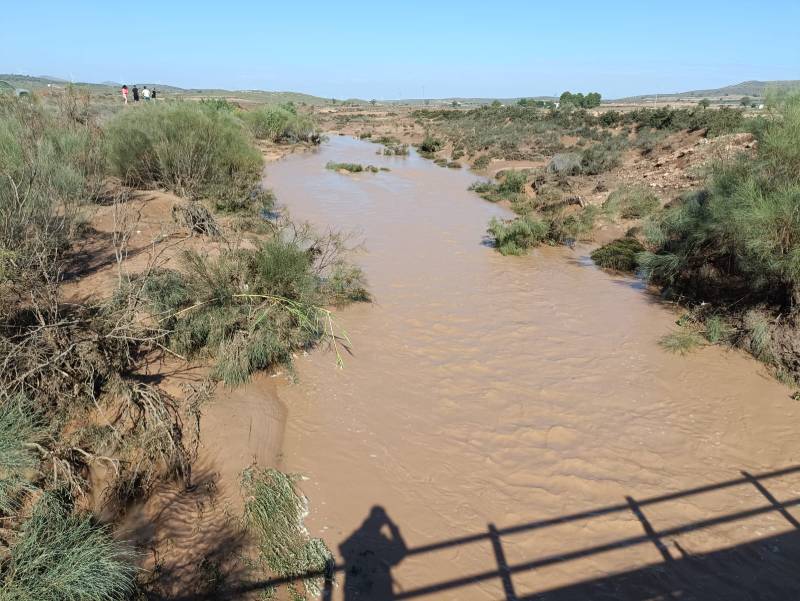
x=135 y=91
x=146 y=93
x=125 y=94
x=153 y=94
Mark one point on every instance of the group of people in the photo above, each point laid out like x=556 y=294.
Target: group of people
x=146 y=93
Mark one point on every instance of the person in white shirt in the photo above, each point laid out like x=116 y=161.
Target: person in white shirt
x=146 y=93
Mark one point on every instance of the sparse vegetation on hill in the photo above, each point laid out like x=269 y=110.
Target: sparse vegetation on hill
x=519 y=133
x=732 y=249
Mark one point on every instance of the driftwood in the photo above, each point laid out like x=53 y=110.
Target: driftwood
x=197 y=218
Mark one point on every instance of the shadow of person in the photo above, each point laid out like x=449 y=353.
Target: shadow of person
x=369 y=555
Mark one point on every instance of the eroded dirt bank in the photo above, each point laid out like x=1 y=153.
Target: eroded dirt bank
x=493 y=390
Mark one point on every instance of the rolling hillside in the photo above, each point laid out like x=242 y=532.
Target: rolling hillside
x=753 y=88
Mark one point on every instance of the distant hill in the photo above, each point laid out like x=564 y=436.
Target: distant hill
x=465 y=101
x=754 y=89
x=109 y=88
x=727 y=94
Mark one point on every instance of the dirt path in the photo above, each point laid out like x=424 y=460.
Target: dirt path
x=487 y=390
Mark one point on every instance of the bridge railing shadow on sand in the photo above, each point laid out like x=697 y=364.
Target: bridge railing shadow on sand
x=766 y=569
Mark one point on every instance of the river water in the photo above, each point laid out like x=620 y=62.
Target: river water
x=486 y=392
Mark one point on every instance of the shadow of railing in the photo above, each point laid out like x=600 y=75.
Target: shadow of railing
x=675 y=577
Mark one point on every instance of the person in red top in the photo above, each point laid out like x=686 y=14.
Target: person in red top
x=125 y=94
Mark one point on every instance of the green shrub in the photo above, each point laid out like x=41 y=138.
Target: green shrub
x=186 y=147
x=482 y=162
x=345 y=285
x=568 y=226
x=599 y=158
x=513 y=183
x=740 y=237
x=351 y=167
x=274 y=512
x=395 y=149
x=632 y=202
x=59 y=556
x=590 y=100
x=50 y=165
x=279 y=124
x=430 y=145
x=567 y=163
x=619 y=254
x=717 y=330
x=511 y=186
x=255 y=203
x=219 y=104
x=681 y=341
x=757 y=328
x=515 y=237
x=251 y=308
x=20 y=432
x=611 y=118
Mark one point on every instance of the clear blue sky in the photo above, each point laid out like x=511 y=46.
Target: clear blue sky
x=407 y=49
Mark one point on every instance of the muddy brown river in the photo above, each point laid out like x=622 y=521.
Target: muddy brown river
x=509 y=428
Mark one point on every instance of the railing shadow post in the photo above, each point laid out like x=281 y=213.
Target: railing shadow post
x=773 y=501
x=502 y=563
x=327 y=590
x=648 y=528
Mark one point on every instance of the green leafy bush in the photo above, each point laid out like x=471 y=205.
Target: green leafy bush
x=50 y=166
x=189 y=148
x=511 y=186
x=279 y=124
x=274 y=512
x=219 y=104
x=740 y=237
x=513 y=183
x=482 y=162
x=20 y=432
x=619 y=254
x=632 y=202
x=351 y=167
x=430 y=145
x=567 y=163
x=681 y=341
x=590 y=100
x=599 y=158
x=515 y=237
x=252 y=308
x=568 y=226
x=61 y=556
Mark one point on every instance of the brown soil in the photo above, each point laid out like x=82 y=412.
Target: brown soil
x=188 y=539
